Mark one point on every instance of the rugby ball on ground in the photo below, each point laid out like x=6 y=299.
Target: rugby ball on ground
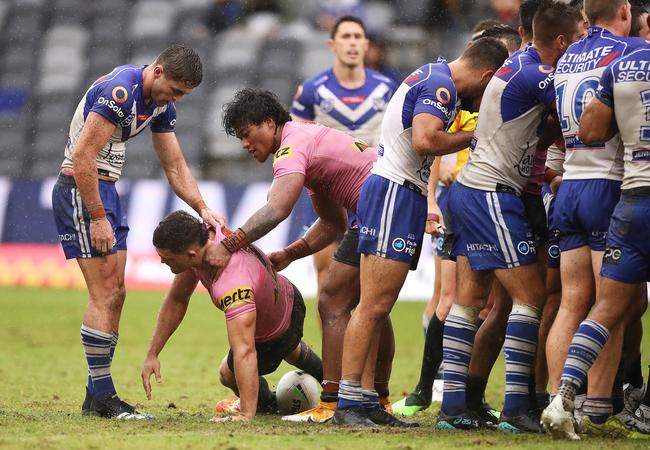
x=297 y=391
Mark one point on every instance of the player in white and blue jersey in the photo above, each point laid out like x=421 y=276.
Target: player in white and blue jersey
x=591 y=184
x=392 y=208
x=494 y=237
x=623 y=101
x=91 y=224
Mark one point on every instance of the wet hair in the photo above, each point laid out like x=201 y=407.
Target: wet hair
x=527 y=11
x=638 y=10
x=179 y=231
x=181 y=63
x=344 y=19
x=252 y=107
x=598 y=10
x=501 y=31
x=486 y=53
x=554 y=18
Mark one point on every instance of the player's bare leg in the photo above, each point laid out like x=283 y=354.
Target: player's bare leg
x=578 y=290
x=432 y=304
x=322 y=262
x=266 y=401
x=553 y=296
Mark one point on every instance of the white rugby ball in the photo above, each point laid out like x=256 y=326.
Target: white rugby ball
x=297 y=391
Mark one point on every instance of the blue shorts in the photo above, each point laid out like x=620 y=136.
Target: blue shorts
x=73 y=221
x=491 y=228
x=391 y=219
x=553 y=261
x=627 y=255
x=582 y=212
x=443 y=200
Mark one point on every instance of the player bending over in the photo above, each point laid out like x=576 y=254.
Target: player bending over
x=264 y=312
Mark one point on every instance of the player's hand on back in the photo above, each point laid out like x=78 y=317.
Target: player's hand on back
x=101 y=235
x=151 y=366
x=280 y=260
x=212 y=218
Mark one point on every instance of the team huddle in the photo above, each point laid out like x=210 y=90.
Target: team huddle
x=527 y=159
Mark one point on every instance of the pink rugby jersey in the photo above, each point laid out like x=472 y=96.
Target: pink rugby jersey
x=334 y=163
x=246 y=285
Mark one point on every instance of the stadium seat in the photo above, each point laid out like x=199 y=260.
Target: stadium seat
x=380 y=16
x=234 y=49
x=152 y=18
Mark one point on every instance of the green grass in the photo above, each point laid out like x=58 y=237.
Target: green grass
x=42 y=374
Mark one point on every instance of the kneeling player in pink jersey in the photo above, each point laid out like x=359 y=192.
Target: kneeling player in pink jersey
x=264 y=313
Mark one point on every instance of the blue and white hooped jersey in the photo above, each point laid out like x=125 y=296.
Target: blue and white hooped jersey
x=118 y=97
x=428 y=90
x=514 y=108
x=625 y=86
x=355 y=111
x=576 y=80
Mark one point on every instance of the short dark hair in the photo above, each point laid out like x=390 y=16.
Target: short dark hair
x=637 y=11
x=597 y=10
x=343 y=19
x=502 y=31
x=527 y=11
x=486 y=53
x=252 y=106
x=181 y=63
x=179 y=231
x=554 y=18
x=484 y=25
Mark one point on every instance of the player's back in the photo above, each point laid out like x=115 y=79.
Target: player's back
x=357 y=111
x=430 y=90
x=576 y=80
x=334 y=163
x=631 y=92
x=513 y=109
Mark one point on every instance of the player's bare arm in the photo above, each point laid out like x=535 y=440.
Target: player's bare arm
x=96 y=132
x=332 y=221
x=282 y=197
x=430 y=137
x=241 y=336
x=435 y=222
x=180 y=177
x=598 y=123
x=170 y=316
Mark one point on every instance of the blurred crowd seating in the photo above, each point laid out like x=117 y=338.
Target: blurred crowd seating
x=52 y=50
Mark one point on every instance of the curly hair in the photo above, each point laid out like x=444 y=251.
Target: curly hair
x=179 y=231
x=252 y=107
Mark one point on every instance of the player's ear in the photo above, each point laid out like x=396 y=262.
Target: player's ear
x=158 y=71
x=330 y=44
x=487 y=75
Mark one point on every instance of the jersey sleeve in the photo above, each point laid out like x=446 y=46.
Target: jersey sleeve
x=165 y=122
x=436 y=96
x=112 y=100
x=605 y=91
x=541 y=85
x=303 y=102
x=237 y=301
x=292 y=156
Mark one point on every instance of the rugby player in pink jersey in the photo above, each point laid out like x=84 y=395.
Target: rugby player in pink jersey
x=333 y=166
x=264 y=313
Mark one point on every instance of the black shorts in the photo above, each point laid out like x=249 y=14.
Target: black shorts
x=348 y=250
x=271 y=353
x=536 y=215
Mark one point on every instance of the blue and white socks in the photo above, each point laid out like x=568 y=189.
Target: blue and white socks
x=350 y=394
x=519 y=349
x=458 y=340
x=99 y=347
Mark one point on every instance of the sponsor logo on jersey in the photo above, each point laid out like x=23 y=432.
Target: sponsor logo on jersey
x=438 y=105
x=353 y=99
x=326 y=105
x=502 y=72
x=142 y=117
x=283 y=153
x=369 y=231
x=482 y=247
x=415 y=76
x=443 y=95
x=359 y=146
x=110 y=104
x=120 y=94
x=546 y=81
x=236 y=297
x=546 y=69
x=67 y=237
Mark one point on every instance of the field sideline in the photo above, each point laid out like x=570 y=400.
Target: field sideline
x=42 y=374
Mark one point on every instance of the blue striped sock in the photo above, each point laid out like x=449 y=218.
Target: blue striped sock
x=585 y=347
x=519 y=349
x=115 y=337
x=458 y=339
x=350 y=394
x=370 y=398
x=598 y=409
x=97 y=348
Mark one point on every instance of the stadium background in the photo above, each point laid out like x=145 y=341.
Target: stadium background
x=52 y=50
